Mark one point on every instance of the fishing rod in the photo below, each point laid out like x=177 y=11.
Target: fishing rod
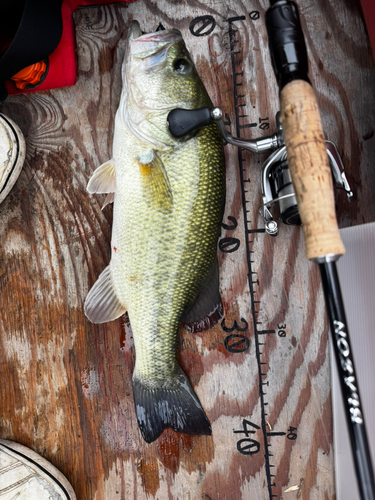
x=299 y=176
x=312 y=181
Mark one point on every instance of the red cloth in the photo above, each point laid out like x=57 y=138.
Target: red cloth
x=74 y=4
x=63 y=61
x=368 y=7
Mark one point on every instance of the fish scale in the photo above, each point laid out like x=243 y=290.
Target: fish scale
x=155 y=310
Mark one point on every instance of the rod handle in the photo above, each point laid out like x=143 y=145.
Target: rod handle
x=309 y=168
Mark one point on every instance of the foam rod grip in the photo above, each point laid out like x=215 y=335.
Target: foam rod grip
x=309 y=168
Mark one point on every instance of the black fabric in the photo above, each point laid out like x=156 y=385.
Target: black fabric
x=37 y=36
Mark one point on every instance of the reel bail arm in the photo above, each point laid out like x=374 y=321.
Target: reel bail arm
x=182 y=122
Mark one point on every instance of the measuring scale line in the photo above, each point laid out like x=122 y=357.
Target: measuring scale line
x=232 y=33
x=248 y=125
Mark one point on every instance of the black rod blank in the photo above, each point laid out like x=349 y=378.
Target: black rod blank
x=348 y=380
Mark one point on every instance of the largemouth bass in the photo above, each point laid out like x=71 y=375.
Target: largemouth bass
x=168 y=206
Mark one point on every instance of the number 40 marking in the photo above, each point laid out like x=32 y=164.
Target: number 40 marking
x=248 y=446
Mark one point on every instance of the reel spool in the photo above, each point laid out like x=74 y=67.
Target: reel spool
x=277 y=187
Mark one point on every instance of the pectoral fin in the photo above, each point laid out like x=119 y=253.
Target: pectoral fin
x=102 y=303
x=207 y=308
x=155 y=181
x=103 y=179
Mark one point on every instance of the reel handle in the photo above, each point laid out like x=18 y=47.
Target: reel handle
x=182 y=122
x=303 y=133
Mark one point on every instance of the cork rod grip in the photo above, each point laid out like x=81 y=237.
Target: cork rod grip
x=309 y=168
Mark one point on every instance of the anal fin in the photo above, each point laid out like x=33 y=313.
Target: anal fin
x=102 y=303
x=207 y=309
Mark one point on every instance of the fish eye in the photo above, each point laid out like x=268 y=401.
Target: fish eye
x=182 y=66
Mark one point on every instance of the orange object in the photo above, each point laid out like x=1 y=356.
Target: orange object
x=30 y=75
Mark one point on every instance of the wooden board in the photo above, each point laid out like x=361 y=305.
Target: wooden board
x=66 y=383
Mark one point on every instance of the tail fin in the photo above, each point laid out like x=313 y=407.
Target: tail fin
x=168 y=403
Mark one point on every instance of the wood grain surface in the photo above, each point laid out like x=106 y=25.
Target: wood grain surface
x=65 y=383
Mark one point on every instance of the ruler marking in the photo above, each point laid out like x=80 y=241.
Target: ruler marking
x=232 y=31
x=247 y=125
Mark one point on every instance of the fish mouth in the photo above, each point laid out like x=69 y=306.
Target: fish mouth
x=134 y=30
x=170 y=35
x=143 y=45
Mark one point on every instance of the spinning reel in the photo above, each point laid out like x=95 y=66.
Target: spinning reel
x=276 y=180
